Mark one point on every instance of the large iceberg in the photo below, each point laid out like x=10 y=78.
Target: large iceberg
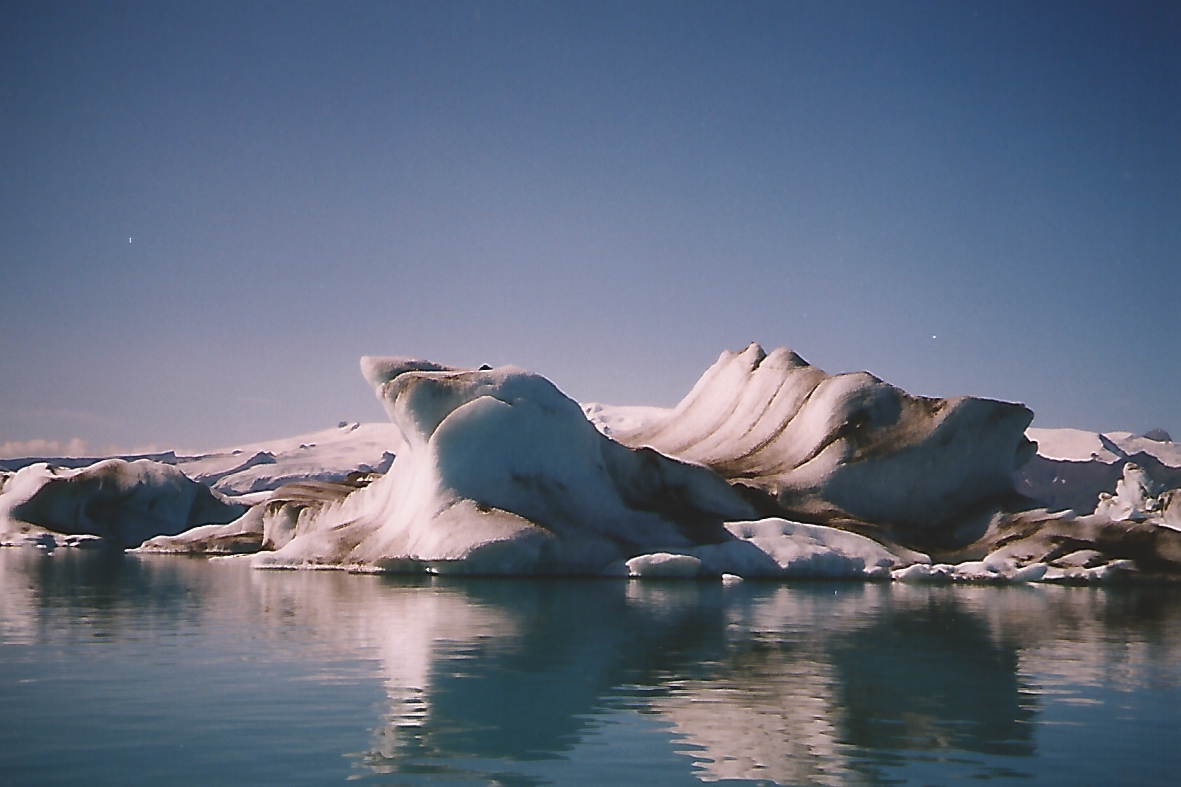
x=500 y=472
x=768 y=468
x=847 y=449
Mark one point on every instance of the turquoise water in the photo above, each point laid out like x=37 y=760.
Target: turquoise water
x=124 y=670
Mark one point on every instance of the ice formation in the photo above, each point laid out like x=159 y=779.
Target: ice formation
x=122 y=502
x=269 y=524
x=847 y=449
x=328 y=455
x=500 y=472
x=777 y=549
x=1072 y=467
x=495 y=471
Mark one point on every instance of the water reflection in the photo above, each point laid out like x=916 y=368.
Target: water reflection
x=105 y=590
x=803 y=684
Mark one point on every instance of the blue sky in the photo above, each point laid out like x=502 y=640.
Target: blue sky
x=209 y=211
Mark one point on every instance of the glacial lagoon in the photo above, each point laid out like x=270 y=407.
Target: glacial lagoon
x=147 y=670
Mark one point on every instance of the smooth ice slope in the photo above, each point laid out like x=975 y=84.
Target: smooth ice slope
x=842 y=449
x=121 y=502
x=499 y=472
x=327 y=455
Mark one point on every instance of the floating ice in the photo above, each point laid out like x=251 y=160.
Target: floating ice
x=803 y=550
x=662 y=565
x=848 y=448
x=1072 y=467
x=1140 y=498
x=495 y=471
x=500 y=473
x=122 y=502
x=976 y=571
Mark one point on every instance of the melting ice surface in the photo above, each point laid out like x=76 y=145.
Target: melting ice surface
x=138 y=670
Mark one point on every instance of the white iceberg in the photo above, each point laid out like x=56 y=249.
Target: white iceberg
x=499 y=472
x=495 y=471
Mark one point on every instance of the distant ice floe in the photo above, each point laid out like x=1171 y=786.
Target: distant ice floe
x=121 y=502
x=250 y=471
x=328 y=455
x=1072 y=467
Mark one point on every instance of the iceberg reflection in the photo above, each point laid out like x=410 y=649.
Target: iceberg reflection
x=510 y=679
x=793 y=685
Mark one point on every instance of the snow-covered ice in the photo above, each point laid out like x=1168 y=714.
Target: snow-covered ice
x=327 y=455
x=1072 y=467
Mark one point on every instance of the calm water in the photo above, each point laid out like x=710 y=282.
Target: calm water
x=172 y=671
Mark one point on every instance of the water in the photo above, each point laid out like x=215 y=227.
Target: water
x=165 y=670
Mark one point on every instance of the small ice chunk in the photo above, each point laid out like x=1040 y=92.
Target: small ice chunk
x=664 y=565
x=975 y=571
x=921 y=572
x=1031 y=573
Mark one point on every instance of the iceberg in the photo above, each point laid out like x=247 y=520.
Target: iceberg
x=1073 y=467
x=499 y=472
x=122 y=502
x=847 y=449
x=769 y=468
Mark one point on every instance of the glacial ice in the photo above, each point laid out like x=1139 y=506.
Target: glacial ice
x=802 y=550
x=328 y=455
x=662 y=565
x=1112 y=507
x=843 y=449
x=1072 y=467
x=269 y=524
x=499 y=472
x=122 y=502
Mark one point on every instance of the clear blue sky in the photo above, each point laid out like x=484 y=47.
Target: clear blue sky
x=209 y=211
